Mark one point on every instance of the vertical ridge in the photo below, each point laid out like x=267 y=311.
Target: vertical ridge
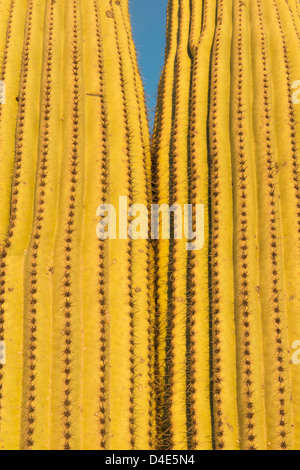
x=21 y=213
x=247 y=306
x=221 y=242
x=292 y=247
x=94 y=302
x=143 y=324
x=200 y=433
x=66 y=429
x=161 y=175
x=10 y=74
x=196 y=24
x=37 y=347
x=177 y=309
x=271 y=256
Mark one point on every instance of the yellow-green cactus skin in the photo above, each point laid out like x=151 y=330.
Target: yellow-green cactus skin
x=226 y=135
x=125 y=344
x=76 y=313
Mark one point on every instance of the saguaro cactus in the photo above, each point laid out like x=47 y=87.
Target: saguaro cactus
x=227 y=135
x=75 y=311
x=128 y=344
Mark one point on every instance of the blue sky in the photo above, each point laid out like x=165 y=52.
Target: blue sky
x=148 y=18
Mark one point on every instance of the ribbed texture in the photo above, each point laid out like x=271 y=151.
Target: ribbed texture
x=128 y=345
x=76 y=313
x=227 y=136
